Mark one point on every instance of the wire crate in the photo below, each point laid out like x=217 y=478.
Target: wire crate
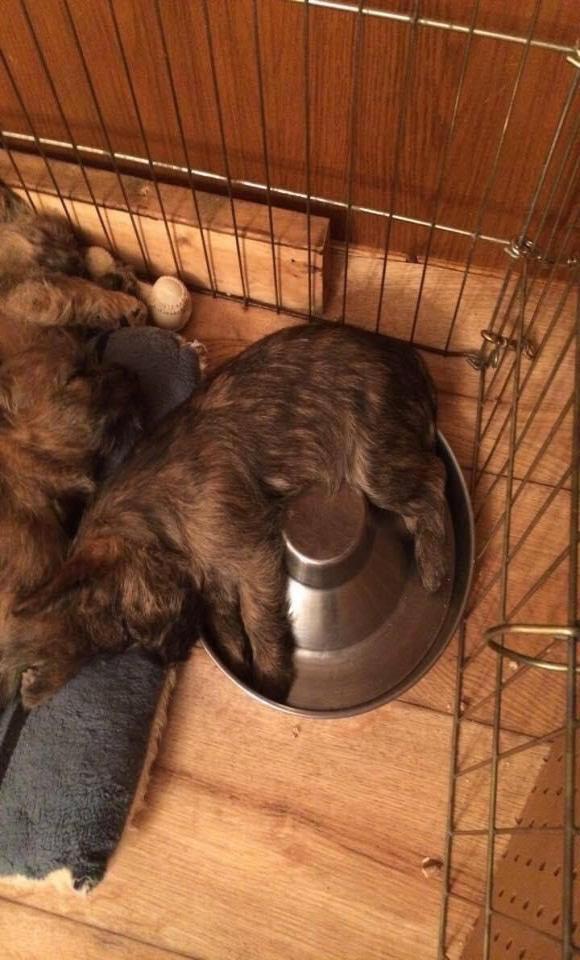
x=450 y=144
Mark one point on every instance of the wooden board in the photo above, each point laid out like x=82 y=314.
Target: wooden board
x=176 y=247
x=33 y=933
x=442 y=302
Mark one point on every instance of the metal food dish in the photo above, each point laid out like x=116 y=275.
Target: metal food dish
x=365 y=629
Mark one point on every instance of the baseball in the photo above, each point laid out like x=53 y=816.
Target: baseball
x=169 y=303
x=168 y=300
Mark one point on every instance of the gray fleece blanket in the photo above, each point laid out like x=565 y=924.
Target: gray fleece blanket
x=69 y=770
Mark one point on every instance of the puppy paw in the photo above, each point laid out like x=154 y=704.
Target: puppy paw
x=36 y=687
x=275 y=686
x=137 y=315
x=119 y=310
x=120 y=278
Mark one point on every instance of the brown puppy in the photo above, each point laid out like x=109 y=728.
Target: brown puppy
x=45 y=281
x=61 y=417
x=59 y=424
x=196 y=512
x=61 y=414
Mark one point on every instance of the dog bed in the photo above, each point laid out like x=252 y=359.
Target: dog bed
x=70 y=770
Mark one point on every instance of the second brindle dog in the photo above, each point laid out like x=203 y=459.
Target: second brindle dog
x=187 y=536
x=45 y=277
x=63 y=415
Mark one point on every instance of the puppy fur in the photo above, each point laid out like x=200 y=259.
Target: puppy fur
x=44 y=277
x=62 y=415
x=187 y=536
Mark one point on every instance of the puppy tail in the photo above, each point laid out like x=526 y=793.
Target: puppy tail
x=430 y=554
x=430 y=534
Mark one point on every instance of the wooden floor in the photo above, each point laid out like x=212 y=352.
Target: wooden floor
x=268 y=838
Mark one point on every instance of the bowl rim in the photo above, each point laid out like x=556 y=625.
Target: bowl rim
x=434 y=652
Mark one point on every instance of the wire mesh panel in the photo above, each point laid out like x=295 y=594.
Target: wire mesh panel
x=424 y=133
x=417 y=135
x=510 y=874
x=510 y=865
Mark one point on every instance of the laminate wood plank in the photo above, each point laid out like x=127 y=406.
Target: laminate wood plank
x=268 y=835
x=31 y=933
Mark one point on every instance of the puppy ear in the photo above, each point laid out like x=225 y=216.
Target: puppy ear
x=89 y=563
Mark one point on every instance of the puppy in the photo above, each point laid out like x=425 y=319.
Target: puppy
x=187 y=536
x=45 y=280
x=63 y=416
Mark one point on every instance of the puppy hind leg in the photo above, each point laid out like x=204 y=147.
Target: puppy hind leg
x=414 y=487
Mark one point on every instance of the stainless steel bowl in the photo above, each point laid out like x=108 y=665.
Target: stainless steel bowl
x=364 y=627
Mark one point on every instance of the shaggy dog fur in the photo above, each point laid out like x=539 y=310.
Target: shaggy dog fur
x=187 y=536
x=44 y=279
x=62 y=415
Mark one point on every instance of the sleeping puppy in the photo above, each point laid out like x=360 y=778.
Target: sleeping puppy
x=62 y=415
x=187 y=536
x=45 y=278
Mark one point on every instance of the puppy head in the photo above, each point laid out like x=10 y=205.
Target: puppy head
x=59 y=406
x=120 y=593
